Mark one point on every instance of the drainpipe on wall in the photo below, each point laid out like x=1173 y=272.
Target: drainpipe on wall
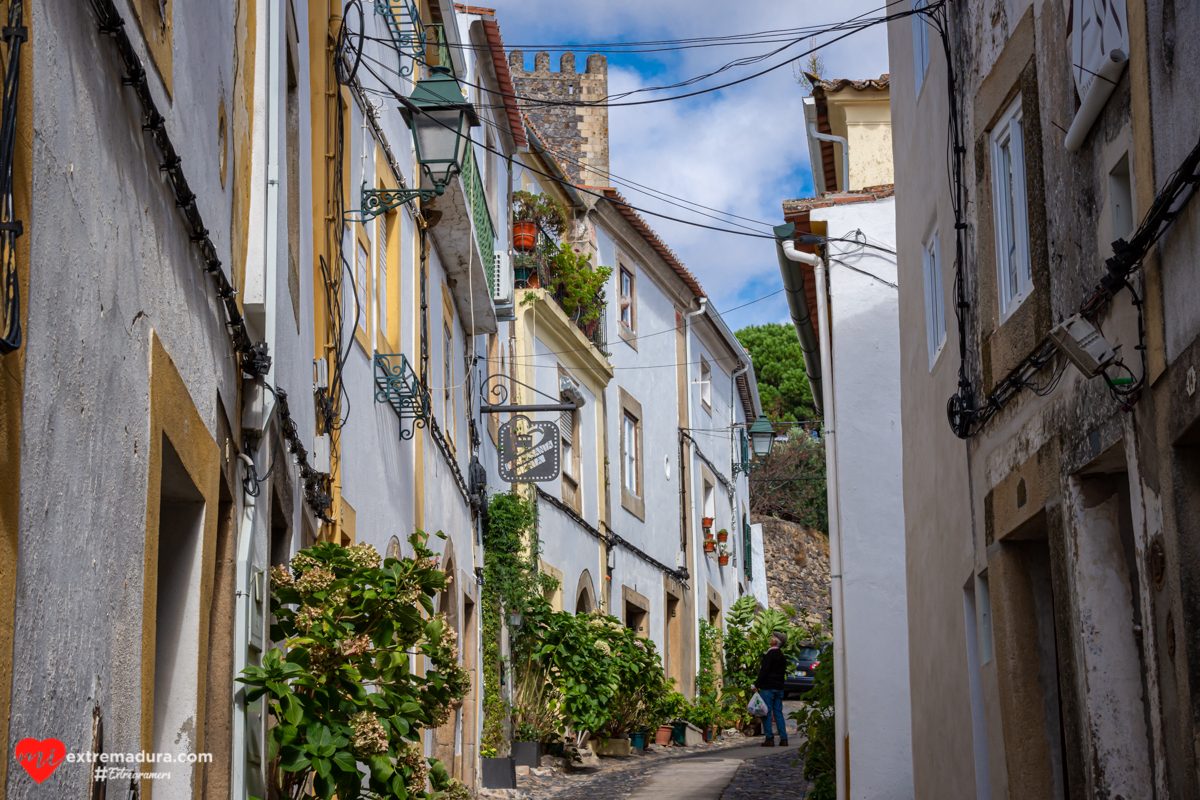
x=736 y=518
x=841 y=729
x=829 y=137
x=691 y=458
x=793 y=282
x=252 y=582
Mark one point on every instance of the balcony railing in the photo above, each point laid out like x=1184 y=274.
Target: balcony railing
x=408 y=34
x=397 y=385
x=481 y=218
x=536 y=269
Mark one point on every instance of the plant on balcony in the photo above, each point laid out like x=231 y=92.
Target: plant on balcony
x=545 y=211
x=578 y=286
x=341 y=694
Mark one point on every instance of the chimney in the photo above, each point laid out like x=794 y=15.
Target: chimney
x=576 y=136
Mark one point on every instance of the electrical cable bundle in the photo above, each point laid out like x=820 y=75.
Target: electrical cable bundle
x=14 y=35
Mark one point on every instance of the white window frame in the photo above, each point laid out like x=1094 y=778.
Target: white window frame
x=935 y=297
x=381 y=291
x=1014 y=274
x=362 y=263
x=920 y=27
x=705 y=384
x=630 y=424
x=625 y=289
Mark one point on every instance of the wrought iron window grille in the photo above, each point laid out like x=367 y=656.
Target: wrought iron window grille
x=398 y=386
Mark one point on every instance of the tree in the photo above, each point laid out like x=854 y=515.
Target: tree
x=779 y=370
x=790 y=483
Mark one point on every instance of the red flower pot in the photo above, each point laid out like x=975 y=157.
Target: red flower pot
x=708 y=537
x=709 y=545
x=723 y=560
x=662 y=737
x=524 y=236
x=706 y=522
x=723 y=536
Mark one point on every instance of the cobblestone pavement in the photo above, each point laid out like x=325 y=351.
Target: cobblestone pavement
x=769 y=778
x=729 y=769
x=617 y=778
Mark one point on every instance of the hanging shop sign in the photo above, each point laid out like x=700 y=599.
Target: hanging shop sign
x=529 y=451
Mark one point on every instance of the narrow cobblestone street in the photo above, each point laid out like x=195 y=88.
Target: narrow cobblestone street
x=728 y=769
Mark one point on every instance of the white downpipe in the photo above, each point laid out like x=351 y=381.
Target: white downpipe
x=691 y=461
x=829 y=137
x=841 y=730
x=1097 y=95
x=241 y=638
x=246 y=546
x=812 y=259
x=275 y=56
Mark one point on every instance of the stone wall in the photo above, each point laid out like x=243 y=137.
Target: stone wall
x=576 y=136
x=797 y=566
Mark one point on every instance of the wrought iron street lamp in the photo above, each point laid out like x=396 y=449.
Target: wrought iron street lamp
x=440 y=119
x=762 y=437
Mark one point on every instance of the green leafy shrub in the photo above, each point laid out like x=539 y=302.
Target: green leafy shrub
x=815 y=722
x=344 y=694
x=578 y=284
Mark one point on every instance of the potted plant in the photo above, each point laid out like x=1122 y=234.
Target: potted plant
x=708 y=534
x=723 y=555
x=672 y=707
x=722 y=535
x=532 y=212
x=709 y=545
x=706 y=523
x=526 y=745
x=497 y=772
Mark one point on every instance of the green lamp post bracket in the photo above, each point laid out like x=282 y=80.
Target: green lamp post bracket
x=379 y=201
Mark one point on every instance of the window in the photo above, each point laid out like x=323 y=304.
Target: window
x=629 y=453
x=1010 y=211
x=361 y=265
x=920 y=43
x=572 y=445
x=935 y=300
x=626 y=299
x=706 y=385
x=1121 y=194
x=632 y=478
x=381 y=249
x=447 y=374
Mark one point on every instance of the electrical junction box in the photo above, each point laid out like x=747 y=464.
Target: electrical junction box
x=253 y=407
x=680 y=559
x=1083 y=345
x=321 y=453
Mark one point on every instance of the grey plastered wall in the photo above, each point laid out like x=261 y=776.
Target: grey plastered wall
x=111 y=260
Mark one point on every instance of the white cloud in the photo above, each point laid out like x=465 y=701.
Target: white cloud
x=741 y=149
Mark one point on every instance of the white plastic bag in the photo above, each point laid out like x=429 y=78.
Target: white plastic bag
x=757 y=707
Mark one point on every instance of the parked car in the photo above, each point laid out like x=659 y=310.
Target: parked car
x=800 y=672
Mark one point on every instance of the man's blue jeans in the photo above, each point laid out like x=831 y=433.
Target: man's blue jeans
x=774 y=700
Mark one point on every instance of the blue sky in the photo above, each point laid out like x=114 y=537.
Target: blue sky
x=740 y=149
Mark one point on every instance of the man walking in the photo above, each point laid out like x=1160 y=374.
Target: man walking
x=770 y=687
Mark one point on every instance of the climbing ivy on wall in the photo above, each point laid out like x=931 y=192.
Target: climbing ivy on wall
x=510 y=582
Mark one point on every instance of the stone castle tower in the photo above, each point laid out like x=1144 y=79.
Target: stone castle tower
x=577 y=136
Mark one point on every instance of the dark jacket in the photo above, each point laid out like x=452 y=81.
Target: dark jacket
x=771 y=672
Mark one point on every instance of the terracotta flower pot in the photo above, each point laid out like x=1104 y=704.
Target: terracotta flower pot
x=706 y=522
x=723 y=536
x=708 y=537
x=709 y=545
x=524 y=236
x=723 y=560
x=662 y=737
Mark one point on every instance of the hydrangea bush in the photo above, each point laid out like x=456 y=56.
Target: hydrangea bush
x=348 y=710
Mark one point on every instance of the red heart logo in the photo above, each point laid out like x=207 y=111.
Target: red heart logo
x=40 y=758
